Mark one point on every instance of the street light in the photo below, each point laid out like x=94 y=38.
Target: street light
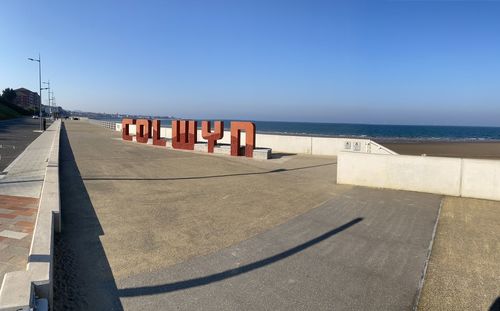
x=39 y=60
x=48 y=95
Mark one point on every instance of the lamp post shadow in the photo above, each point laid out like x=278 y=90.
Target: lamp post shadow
x=221 y=276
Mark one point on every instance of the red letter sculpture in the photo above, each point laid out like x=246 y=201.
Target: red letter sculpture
x=236 y=128
x=182 y=136
x=157 y=141
x=125 y=128
x=210 y=136
x=142 y=130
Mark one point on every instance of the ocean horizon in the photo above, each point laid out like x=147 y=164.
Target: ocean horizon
x=380 y=132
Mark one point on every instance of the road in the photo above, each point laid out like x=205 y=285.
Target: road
x=15 y=136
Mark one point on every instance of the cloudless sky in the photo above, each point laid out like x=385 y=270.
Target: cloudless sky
x=382 y=62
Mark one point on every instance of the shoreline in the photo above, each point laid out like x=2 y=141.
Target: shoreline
x=378 y=139
x=367 y=133
x=458 y=149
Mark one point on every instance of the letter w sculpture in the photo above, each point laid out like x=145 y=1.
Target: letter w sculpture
x=184 y=134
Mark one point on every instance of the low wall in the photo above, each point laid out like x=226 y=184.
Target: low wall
x=327 y=146
x=424 y=174
x=20 y=288
x=449 y=176
x=481 y=179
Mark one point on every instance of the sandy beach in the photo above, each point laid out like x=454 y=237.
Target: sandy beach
x=482 y=150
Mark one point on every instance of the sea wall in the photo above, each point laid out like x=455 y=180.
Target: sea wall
x=449 y=176
x=327 y=146
x=481 y=179
x=414 y=173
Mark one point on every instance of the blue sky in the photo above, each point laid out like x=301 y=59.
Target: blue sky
x=382 y=62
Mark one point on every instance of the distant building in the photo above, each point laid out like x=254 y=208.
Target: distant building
x=55 y=111
x=27 y=99
x=47 y=110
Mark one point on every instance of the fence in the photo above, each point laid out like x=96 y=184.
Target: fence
x=105 y=124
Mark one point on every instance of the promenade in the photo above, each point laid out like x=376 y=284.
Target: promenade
x=150 y=228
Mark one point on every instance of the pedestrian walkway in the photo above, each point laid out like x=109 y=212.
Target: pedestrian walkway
x=151 y=228
x=17 y=219
x=20 y=188
x=365 y=249
x=24 y=176
x=464 y=268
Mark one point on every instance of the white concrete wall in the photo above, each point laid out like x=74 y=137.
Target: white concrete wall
x=481 y=179
x=423 y=174
x=450 y=176
x=284 y=143
x=328 y=146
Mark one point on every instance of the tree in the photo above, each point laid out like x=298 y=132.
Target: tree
x=9 y=95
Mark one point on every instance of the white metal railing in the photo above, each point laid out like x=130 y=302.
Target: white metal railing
x=106 y=124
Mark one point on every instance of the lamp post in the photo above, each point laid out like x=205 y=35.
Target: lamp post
x=53 y=101
x=39 y=60
x=48 y=95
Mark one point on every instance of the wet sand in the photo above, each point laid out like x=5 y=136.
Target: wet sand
x=480 y=150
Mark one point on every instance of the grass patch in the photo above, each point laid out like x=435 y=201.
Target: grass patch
x=7 y=112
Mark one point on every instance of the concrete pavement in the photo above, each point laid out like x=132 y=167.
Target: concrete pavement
x=150 y=228
x=363 y=249
x=464 y=268
x=24 y=176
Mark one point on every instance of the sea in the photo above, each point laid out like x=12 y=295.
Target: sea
x=373 y=131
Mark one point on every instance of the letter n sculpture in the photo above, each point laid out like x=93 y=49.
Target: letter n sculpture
x=236 y=128
x=210 y=136
x=184 y=134
x=126 y=128
x=143 y=130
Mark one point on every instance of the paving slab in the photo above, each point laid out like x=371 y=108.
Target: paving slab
x=12 y=234
x=151 y=228
x=16 y=231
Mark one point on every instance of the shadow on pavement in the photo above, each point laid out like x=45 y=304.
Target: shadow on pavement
x=279 y=155
x=279 y=170
x=217 y=277
x=83 y=279
x=496 y=305
x=20 y=181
